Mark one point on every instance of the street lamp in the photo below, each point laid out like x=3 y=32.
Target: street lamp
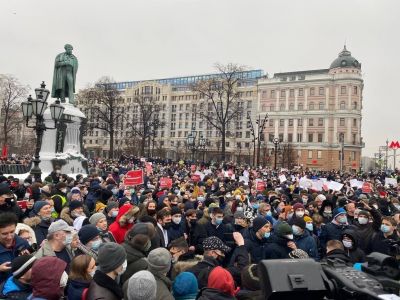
x=259 y=137
x=36 y=108
x=193 y=146
x=276 y=142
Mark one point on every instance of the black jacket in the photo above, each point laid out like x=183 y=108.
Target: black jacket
x=355 y=253
x=136 y=260
x=254 y=245
x=213 y=294
x=337 y=253
x=208 y=229
x=367 y=231
x=104 y=287
x=379 y=243
x=75 y=289
x=277 y=248
x=331 y=231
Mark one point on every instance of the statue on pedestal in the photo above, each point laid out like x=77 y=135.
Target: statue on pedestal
x=64 y=78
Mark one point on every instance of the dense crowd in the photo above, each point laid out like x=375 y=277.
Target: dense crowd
x=189 y=231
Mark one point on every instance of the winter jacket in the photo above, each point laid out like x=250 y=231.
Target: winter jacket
x=104 y=287
x=40 y=228
x=213 y=294
x=13 y=208
x=254 y=245
x=337 y=254
x=208 y=229
x=331 y=231
x=367 y=231
x=164 y=286
x=75 y=289
x=60 y=201
x=307 y=243
x=66 y=216
x=120 y=227
x=15 y=290
x=136 y=260
x=277 y=248
x=9 y=254
x=355 y=254
x=249 y=295
x=47 y=250
x=379 y=243
x=175 y=231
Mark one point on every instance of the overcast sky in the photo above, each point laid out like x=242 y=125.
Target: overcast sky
x=146 y=39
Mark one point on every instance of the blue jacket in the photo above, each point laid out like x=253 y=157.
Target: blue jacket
x=176 y=230
x=14 y=290
x=307 y=243
x=10 y=254
x=75 y=289
x=329 y=232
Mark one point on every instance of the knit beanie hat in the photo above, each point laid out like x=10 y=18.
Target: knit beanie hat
x=299 y=223
x=39 y=205
x=185 y=284
x=283 y=229
x=175 y=210
x=142 y=285
x=364 y=213
x=297 y=206
x=159 y=261
x=258 y=223
x=250 y=279
x=307 y=219
x=75 y=204
x=338 y=211
x=88 y=233
x=111 y=256
x=21 y=264
x=111 y=205
x=96 y=218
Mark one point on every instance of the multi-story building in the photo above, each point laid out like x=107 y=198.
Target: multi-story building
x=180 y=109
x=318 y=112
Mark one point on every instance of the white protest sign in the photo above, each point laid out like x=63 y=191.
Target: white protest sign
x=334 y=186
x=282 y=178
x=208 y=171
x=391 y=181
x=356 y=183
x=317 y=185
x=244 y=179
x=305 y=183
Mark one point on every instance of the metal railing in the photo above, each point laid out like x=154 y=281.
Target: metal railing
x=15 y=168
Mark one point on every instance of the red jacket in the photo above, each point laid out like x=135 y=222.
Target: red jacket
x=116 y=229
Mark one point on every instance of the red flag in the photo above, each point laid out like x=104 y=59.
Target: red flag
x=4 y=151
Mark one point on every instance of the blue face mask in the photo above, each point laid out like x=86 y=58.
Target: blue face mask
x=96 y=245
x=218 y=221
x=269 y=213
x=255 y=205
x=310 y=226
x=385 y=228
x=267 y=235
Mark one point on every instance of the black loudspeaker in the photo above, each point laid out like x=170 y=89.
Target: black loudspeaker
x=290 y=278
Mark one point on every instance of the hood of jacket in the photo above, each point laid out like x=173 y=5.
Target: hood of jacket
x=126 y=212
x=352 y=235
x=12 y=285
x=221 y=280
x=132 y=254
x=214 y=294
x=65 y=215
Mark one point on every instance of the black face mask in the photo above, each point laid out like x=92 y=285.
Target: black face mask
x=220 y=259
x=167 y=226
x=193 y=223
x=151 y=212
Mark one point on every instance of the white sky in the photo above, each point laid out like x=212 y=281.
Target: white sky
x=146 y=39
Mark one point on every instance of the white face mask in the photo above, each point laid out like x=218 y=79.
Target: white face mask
x=300 y=214
x=64 y=279
x=289 y=236
x=68 y=239
x=63 y=190
x=177 y=220
x=347 y=244
x=124 y=266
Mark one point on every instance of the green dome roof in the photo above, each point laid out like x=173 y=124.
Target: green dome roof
x=345 y=60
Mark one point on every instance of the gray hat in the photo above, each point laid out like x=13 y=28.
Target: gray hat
x=110 y=257
x=142 y=285
x=60 y=225
x=96 y=217
x=159 y=261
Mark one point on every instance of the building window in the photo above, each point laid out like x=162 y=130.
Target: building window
x=301 y=92
x=280 y=137
x=290 y=122
x=271 y=107
x=247 y=134
x=343 y=90
x=341 y=122
x=310 y=137
x=300 y=106
x=272 y=93
x=309 y=154
x=354 y=105
x=311 y=106
x=299 y=122
x=320 y=137
x=354 y=138
x=342 y=105
x=291 y=106
x=283 y=93
x=247 y=145
x=290 y=137
x=310 y=122
x=271 y=122
x=282 y=107
x=281 y=122
x=355 y=90
x=271 y=137
x=321 y=91
x=299 y=137
x=227 y=144
x=321 y=106
x=320 y=122
x=352 y=155
x=354 y=122
x=291 y=93
x=319 y=154
x=312 y=91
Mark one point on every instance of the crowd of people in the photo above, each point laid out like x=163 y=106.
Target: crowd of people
x=188 y=231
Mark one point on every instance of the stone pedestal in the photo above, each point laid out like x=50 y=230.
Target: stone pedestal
x=67 y=139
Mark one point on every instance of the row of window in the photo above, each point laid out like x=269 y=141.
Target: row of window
x=320 y=122
x=311 y=106
x=321 y=91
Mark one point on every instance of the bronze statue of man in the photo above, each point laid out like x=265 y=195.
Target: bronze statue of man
x=64 y=78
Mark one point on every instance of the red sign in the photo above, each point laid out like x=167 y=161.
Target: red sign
x=354 y=164
x=314 y=162
x=193 y=168
x=366 y=188
x=196 y=178
x=165 y=182
x=134 y=177
x=260 y=186
x=394 y=145
x=4 y=151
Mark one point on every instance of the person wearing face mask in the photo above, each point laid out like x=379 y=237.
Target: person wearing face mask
x=18 y=286
x=111 y=212
x=41 y=221
x=58 y=242
x=304 y=239
x=81 y=273
x=177 y=228
x=298 y=213
x=90 y=241
x=280 y=244
x=239 y=222
x=190 y=226
x=334 y=229
x=60 y=199
x=72 y=211
x=164 y=220
x=381 y=241
x=8 y=203
x=256 y=237
x=99 y=220
x=48 y=279
x=326 y=211
x=111 y=265
x=124 y=221
x=350 y=240
x=24 y=189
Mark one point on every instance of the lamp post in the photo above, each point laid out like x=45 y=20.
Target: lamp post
x=276 y=142
x=341 y=140
x=193 y=145
x=259 y=137
x=33 y=109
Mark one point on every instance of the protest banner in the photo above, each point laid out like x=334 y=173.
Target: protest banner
x=133 y=177
x=165 y=182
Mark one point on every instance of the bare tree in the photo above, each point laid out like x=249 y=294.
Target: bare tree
x=288 y=157
x=145 y=121
x=105 y=108
x=222 y=99
x=12 y=93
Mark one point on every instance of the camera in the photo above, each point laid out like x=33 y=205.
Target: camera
x=286 y=279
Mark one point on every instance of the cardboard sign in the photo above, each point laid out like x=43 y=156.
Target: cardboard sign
x=317 y=185
x=195 y=178
x=260 y=185
x=305 y=183
x=366 y=188
x=133 y=177
x=165 y=182
x=391 y=181
x=142 y=159
x=282 y=178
